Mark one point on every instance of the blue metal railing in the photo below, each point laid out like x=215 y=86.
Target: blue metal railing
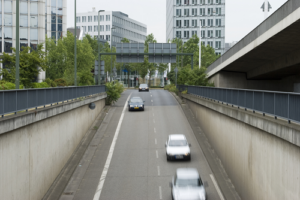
x=279 y=104
x=12 y=101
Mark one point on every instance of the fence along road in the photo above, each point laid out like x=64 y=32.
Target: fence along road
x=279 y=104
x=12 y=101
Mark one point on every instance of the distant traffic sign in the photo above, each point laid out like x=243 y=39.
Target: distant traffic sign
x=160 y=52
x=131 y=52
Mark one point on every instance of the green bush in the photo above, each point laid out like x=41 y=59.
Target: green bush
x=184 y=92
x=60 y=82
x=171 y=88
x=50 y=82
x=113 y=90
x=40 y=85
x=4 y=85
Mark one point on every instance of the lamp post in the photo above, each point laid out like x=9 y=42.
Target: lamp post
x=200 y=23
x=75 y=48
x=112 y=28
x=99 y=76
x=17 y=44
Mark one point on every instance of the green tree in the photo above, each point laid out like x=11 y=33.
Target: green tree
x=31 y=64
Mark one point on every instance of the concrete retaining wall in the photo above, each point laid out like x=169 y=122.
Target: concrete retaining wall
x=32 y=154
x=261 y=155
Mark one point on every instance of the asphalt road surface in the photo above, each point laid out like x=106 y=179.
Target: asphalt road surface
x=126 y=159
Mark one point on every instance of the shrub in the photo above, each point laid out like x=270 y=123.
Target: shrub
x=113 y=90
x=4 y=85
x=60 y=82
x=171 y=88
x=40 y=85
x=50 y=82
x=184 y=92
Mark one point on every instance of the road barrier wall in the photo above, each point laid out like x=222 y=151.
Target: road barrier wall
x=261 y=154
x=35 y=146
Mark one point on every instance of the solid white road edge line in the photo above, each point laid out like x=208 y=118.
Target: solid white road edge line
x=217 y=186
x=160 y=194
x=110 y=154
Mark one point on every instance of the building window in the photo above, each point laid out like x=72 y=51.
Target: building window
x=209 y=11
x=33 y=45
x=186 y=2
x=218 y=44
x=186 y=12
x=186 y=23
x=7 y=46
x=101 y=18
x=83 y=18
x=90 y=18
x=95 y=18
x=218 y=33
x=194 y=22
x=178 y=12
x=178 y=23
x=210 y=22
x=60 y=3
x=194 y=11
x=209 y=1
x=178 y=34
x=218 y=11
x=7 y=7
x=107 y=17
x=23 y=34
x=210 y=43
x=95 y=28
x=218 y=1
x=33 y=8
x=202 y=11
x=210 y=33
x=59 y=27
x=202 y=22
x=53 y=3
x=218 y=22
x=33 y=34
x=107 y=27
x=108 y=37
x=203 y=34
x=23 y=8
x=101 y=27
x=186 y=34
x=59 y=35
x=7 y=20
x=194 y=33
x=90 y=28
x=59 y=19
x=194 y=2
x=34 y=21
x=178 y=2
x=77 y=19
x=23 y=21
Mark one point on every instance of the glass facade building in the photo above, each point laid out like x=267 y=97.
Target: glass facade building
x=184 y=18
x=124 y=27
x=37 y=18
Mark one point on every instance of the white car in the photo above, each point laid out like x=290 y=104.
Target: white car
x=177 y=147
x=187 y=185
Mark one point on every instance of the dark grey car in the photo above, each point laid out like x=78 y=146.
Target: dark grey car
x=143 y=87
x=136 y=103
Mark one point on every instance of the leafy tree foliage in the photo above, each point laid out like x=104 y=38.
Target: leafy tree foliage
x=31 y=63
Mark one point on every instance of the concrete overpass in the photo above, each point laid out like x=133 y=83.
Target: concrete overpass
x=267 y=58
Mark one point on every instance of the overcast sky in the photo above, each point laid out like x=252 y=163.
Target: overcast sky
x=242 y=16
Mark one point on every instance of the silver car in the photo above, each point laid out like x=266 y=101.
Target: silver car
x=187 y=185
x=177 y=147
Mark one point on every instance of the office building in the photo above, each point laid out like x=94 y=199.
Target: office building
x=37 y=18
x=124 y=27
x=229 y=45
x=184 y=18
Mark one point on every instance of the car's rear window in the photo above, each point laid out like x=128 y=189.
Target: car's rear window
x=177 y=143
x=143 y=85
x=136 y=101
x=188 y=182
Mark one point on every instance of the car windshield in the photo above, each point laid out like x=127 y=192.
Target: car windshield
x=188 y=182
x=136 y=101
x=144 y=85
x=177 y=143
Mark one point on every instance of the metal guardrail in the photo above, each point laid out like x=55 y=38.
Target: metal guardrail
x=12 y=101
x=279 y=104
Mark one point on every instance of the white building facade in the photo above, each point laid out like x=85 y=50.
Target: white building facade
x=37 y=18
x=184 y=18
x=125 y=27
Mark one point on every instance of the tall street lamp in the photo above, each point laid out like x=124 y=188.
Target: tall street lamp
x=112 y=28
x=17 y=45
x=75 y=48
x=99 y=65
